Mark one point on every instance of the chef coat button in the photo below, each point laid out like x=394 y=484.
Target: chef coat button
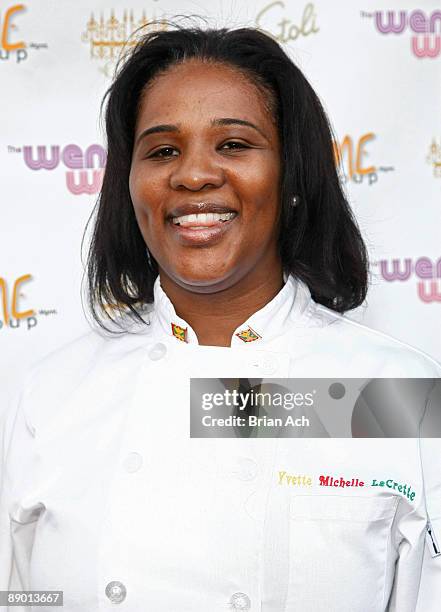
x=240 y=601
x=269 y=365
x=245 y=469
x=133 y=462
x=116 y=591
x=158 y=351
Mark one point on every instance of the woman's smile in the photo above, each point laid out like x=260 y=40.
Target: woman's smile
x=203 y=234
x=201 y=224
x=201 y=220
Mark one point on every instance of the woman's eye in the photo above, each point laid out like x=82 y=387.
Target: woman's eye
x=164 y=152
x=235 y=146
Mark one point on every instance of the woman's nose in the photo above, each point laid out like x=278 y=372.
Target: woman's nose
x=196 y=170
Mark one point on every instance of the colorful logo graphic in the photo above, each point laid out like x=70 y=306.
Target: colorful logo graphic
x=434 y=158
x=10 y=44
x=11 y=313
x=350 y=157
x=108 y=37
x=248 y=335
x=424 y=269
x=84 y=170
x=179 y=332
x=426 y=34
x=272 y=20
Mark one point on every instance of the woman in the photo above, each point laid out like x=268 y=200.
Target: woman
x=223 y=247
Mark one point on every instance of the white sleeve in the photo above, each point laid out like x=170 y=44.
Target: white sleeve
x=430 y=588
x=429 y=599
x=7 y=422
x=16 y=529
x=409 y=542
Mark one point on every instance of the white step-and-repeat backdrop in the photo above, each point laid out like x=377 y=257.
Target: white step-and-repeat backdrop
x=377 y=70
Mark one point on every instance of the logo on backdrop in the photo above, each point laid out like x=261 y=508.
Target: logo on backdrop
x=425 y=34
x=426 y=272
x=351 y=156
x=84 y=170
x=108 y=37
x=273 y=20
x=12 y=47
x=434 y=158
x=14 y=306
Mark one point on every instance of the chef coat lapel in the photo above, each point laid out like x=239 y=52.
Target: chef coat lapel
x=289 y=306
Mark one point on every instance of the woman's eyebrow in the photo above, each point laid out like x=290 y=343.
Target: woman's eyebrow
x=168 y=127
x=231 y=121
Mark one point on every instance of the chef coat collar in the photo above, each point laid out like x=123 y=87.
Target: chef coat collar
x=291 y=304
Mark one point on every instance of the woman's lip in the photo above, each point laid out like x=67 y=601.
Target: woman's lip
x=208 y=234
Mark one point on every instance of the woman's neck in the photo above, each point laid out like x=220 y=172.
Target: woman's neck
x=214 y=316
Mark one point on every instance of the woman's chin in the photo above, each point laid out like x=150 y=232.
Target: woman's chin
x=202 y=281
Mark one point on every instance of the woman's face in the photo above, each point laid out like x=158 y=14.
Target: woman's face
x=207 y=145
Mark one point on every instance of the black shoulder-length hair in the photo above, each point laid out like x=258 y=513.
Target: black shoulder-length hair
x=319 y=240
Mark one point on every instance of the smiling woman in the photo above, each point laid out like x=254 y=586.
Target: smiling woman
x=218 y=122
x=223 y=247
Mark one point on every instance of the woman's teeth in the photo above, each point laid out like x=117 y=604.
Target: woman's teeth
x=201 y=220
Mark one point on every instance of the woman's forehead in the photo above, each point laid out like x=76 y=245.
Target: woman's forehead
x=205 y=88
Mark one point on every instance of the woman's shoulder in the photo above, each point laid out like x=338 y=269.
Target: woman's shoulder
x=359 y=341
x=91 y=346
x=87 y=353
x=76 y=369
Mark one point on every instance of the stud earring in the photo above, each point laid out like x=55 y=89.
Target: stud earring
x=295 y=201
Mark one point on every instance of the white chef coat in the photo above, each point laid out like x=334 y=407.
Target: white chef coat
x=105 y=496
